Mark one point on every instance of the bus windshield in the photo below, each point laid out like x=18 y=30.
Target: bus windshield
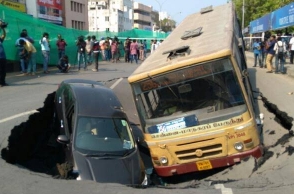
x=202 y=89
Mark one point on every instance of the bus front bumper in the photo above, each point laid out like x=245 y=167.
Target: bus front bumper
x=215 y=163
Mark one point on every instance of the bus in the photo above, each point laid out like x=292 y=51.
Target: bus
x=194 y=98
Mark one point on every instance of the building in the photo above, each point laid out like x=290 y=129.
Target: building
x=155 y=20
x=142 y=16
x=110 y=15
x=75 y=14
x=69 y=13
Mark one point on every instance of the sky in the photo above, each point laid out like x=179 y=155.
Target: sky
x=186 y=7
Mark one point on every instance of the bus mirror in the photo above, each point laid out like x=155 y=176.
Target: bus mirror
x=184 y=88
x=245 y=73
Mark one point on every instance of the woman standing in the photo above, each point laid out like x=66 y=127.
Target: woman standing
x=45 y=47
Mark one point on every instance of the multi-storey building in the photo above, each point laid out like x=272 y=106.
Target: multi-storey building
x=75 y=14
x=110 y=15
x=142 y=16
x=69 y=13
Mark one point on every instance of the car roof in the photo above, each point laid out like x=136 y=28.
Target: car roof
x=96 y=100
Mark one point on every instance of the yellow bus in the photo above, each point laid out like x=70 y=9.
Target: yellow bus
x=194 y=98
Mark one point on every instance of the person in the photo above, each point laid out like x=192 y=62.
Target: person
x=89 y=46
x=45 y=47
x=291 y=49
x=63 y=64
x=107 y=50
x=81 y=45
x=102 y=48
x=119 y=50
x=96 y=51
x=263 y=53
x=114 y=51
x=145 y=48
x=61 y=44
x=27 y=37
x=133 y=51
x=154 y=46
x=31 y=56
x=21 y=52
x=141 y=50
x=127 y=45
x=280 y=49
x=257 y=53
x=270 y=53
x=2 y=59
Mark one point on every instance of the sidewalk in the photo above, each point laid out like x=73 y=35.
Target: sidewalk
x=288 y=67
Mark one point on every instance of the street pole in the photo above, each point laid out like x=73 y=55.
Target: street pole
x=243 y=11
x=160 y=6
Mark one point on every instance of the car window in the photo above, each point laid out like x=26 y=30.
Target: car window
x=103 y=135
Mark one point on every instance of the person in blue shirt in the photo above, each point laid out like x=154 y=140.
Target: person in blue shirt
x=257 y=52
x=2 y=59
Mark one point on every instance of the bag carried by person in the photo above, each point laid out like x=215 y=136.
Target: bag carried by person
x=281 y=51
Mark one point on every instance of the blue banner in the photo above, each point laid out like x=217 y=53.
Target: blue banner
x=261 y=24
x=283 y=17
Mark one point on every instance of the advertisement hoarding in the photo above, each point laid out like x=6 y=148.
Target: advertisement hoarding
x=261 y=24
x=50 y=10
x=13 y=5
x=283 y=17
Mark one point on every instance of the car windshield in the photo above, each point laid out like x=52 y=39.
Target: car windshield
x=207 y=91
x=103 y=136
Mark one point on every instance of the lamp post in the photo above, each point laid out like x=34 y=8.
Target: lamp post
x=243 y=11
x=160 y=6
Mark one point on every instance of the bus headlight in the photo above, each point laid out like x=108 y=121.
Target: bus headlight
x=163 y=160
x=239 y=146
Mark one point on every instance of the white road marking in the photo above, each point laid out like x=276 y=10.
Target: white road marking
x=18 y=115
x=223 y=189
x=116 y=83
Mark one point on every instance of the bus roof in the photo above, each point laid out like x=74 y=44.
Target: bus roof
x=214 y=41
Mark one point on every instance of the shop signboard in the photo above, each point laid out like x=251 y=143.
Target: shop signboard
x=283 y=17
x=50 y=10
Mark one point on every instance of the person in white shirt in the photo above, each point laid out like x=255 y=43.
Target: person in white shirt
x=280 y=49
x=45 y=47
x=154 y=46
x=291 y=48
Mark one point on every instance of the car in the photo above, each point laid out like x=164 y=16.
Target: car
x=96 y=134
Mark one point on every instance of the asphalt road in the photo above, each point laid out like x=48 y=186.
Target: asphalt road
x=27 y=93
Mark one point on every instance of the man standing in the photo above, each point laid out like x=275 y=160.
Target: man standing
x=280 y=48
x=31 y=56
x=45 y=47
x=257 y=53
x=127 y=45
x=270 y=54
x=96 y=50
x=89 y=46
x=291 y=48
x=81 y=44
x=61 y=44
x=2 y=60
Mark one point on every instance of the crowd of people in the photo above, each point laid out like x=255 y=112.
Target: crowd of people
x=273 y=48
x=89 y=50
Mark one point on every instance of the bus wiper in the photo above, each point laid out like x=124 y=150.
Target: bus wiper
x=165 y=85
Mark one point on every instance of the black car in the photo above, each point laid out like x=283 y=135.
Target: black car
x=96 y=133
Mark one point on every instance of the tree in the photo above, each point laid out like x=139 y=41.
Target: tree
x=255 y=9
x=168 y=25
